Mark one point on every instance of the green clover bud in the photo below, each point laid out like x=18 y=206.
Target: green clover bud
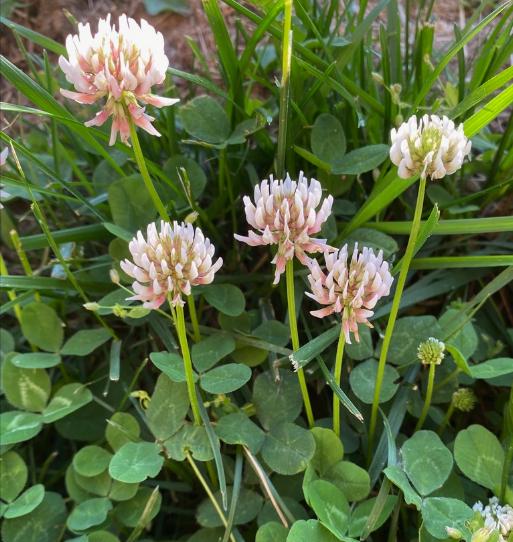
x=431 y=352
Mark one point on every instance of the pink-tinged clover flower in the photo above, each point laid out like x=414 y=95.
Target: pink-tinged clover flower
x=288 y=214
x=171 y=261
x=351 y=287
x=431 y=146
x=120 y=65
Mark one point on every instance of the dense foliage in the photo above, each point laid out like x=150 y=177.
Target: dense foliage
x=99 y=440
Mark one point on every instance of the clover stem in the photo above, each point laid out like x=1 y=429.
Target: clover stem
x=291 y=303
x=508 y=456
x=189 y=374
x=141 y=163
x=338 y=372
x=427 y=400
x=194 y=319
x=208 y=491
x=401 y=281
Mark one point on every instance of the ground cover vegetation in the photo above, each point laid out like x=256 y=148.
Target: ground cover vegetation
x=266 y=299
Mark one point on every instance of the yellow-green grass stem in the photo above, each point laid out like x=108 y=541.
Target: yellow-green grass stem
x=291 y=303
x=427 y=399
x=141 y=163
x=401 y=281
x=22 y=256
x=338 y=374
x=179 y=317
x=208 y=491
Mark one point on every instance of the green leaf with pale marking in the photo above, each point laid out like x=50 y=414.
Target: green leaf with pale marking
x=136 y=461
x=398 y=477
x=439 y=513
x=211 y=350
x=427 y=461
x=329 y=449
x=168 y=407
x=88 y=514
x=205 y=119
x=144 y=505
x=17 y=426
x=190 y=438
x=480 y=456
x=351 y=479
x=276 y=400
x=122 y=428
x=27 y=389
x=237 y=428
x=41 y=326
x=288 y=448
x=91 y=460
x=309 y=531
x=363 y=381
x=26 y=502
x=13 y=475
x=171 y=364
x=69 y=398
x=330 y=506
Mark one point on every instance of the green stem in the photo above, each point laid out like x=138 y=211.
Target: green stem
x=410 y=249
x=141 y=163
x=208 y=491
x=189 y=375
x=194 y=319
x=427 y=400
x=338 y=374
x=284 y=87
x=291 y=303
x=446 y=420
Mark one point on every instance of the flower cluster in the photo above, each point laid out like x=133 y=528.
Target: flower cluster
x=496 y=518
x=432 y=147
x=351 y=287
x=169 y=262
x=120 y=65
x=464 y=399
x=431 y=351
x=287 y=213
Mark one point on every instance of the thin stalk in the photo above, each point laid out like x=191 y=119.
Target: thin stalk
x=338 y=373
x=141 y=163
x=11 y=294
x=401 y=281
x=189 y=375
x=208 y=491
x=427 y=400
x=446 y=420
x=291 y=303
x=194 y=319
x=22 y=256
x=286 y=58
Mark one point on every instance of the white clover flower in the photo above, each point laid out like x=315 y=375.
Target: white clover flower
x=286 y=213
x=432 y=147
x=170 y=261
x=350 y=287
x=496 y=517
x=431 y=351
x=119 y=65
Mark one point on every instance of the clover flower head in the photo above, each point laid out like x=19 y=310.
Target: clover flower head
x=432 y=147
x=496 y=518
x=350 y=286
x=120 y=65
x=464 y=399
x=288 y=214
x=431 y=351
x=169 y=261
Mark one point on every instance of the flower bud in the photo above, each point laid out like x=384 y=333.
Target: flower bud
x=114 y=276
x=431 y=352
x=91 y=306
x=453 y=533
x=464 y=399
